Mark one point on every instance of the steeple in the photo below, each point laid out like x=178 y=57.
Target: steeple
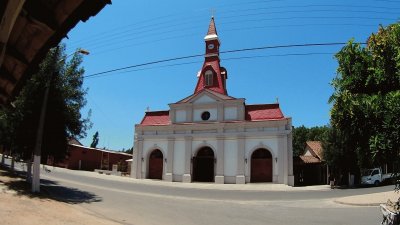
x=212 y=76
x=211 y=28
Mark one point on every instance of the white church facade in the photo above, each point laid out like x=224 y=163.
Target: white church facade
x=210 y=136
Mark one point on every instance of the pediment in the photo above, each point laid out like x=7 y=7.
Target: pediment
x=204 y=99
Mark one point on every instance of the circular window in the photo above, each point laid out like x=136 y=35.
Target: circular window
x=205 y=115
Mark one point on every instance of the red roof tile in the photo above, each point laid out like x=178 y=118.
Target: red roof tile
x=218 y=84
x=309 y=159
x=316 y=147
x=156 y=118
x=263 y=112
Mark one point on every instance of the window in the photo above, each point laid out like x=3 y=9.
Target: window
x=208 y=76
x=205 y=115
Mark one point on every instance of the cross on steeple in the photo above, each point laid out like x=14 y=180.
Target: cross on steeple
x=212 y=12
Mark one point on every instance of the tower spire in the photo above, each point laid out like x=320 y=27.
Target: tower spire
x=211 y=28
x=212 y=76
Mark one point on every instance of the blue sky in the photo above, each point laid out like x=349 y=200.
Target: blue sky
x=129 y=33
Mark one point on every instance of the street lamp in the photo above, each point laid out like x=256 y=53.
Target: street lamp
x=39 y=134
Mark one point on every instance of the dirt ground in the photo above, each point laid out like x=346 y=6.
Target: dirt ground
x=19 y=206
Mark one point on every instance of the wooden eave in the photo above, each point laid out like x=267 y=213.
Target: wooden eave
x=28 y=29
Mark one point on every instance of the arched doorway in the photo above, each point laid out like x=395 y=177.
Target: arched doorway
x=261 y=166
x=156 y=164
x=203 y=165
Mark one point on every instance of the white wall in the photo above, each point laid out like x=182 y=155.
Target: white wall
x=210 y=142
x=180 y=116
x=179 y=157
x=230 y=113
x=230 y=157
x=204 y=99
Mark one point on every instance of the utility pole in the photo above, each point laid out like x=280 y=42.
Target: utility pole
x=39 y=133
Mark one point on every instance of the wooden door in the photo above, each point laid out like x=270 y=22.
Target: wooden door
x=156 y=165
x=203 y=165
x=261 y=166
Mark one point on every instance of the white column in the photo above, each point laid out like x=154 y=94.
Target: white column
x=187 y=178
x=290 y=160
x=280 y=160
x=139 y=157
x=240 y=177
x=219 y=178
x=170 y=159
x=285 y=159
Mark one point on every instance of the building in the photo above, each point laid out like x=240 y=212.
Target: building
x=311 y=168
x=80 y=157
x=210 y=136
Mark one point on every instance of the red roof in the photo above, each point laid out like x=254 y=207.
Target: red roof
x=218 y=83
x=316 y=148
x=156 y=118
x=263 y=112
x=309 y=159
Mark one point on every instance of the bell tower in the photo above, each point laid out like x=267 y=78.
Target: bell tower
x=212 y=76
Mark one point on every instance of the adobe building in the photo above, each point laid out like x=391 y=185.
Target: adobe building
x=210 y=136
x=311 y=168
x=80 y=157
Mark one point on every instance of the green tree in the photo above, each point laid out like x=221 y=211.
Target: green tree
x=95 y=140
x=300 y=135
x=129 y=151
x=63 y=117
x=303 y=134
x=366 y=101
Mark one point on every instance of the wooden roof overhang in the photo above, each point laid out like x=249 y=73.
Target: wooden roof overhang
x=28 y=29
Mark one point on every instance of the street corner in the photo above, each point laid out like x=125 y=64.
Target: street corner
x=374 y=199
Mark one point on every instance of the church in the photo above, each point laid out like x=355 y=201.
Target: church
x=210 y=136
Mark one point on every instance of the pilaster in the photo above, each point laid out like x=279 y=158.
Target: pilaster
x=139 y=157
x=219 y=178
x=240 y=177
x=170 y=159
x=187 y=178
x=281 y=159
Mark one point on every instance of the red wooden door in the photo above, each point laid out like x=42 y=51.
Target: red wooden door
x=261 y=166
x=155 y=169
x=261 y=170
x=156 y=165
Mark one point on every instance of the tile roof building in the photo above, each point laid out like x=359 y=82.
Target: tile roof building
x=310 y=168
x=213 y=137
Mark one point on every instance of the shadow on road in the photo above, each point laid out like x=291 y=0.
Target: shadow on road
x=15 y=182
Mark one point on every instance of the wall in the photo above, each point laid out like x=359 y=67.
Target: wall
x=83 y=158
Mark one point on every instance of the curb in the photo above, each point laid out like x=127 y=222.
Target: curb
x=356 y=204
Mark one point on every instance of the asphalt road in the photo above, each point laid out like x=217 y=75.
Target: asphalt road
x=129 y=201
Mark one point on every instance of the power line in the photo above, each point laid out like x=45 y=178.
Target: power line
x=222 y=52
x=224 y=59
x=189 y=20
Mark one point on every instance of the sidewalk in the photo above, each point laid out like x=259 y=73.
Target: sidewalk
x=369 y=199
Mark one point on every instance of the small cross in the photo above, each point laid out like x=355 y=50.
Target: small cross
x=277 y=100
x=212 y=13
x=147 y=109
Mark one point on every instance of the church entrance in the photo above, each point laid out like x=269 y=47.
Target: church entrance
x=261 y=166
x=203 y=165
x=156 y=165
